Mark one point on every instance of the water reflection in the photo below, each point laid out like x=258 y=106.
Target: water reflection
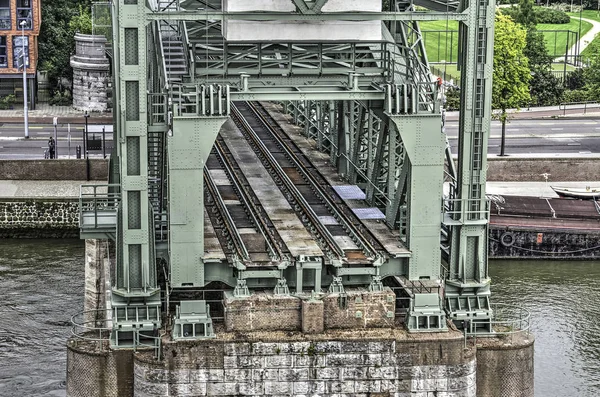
x=562 y=298
x=42 y=286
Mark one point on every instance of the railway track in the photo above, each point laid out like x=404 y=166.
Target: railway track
x=244 y=229
x=334 y=226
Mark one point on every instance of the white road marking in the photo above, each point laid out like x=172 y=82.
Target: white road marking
x=574 y=144
x=556 y=129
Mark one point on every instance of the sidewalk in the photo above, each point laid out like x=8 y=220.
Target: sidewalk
x=30 y=189
x=591 y=111
x=44 y=114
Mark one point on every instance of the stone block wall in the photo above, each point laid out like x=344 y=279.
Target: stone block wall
x=54 y=170
x=355 y=309
x=39 y=218
x=360 y=309
x=262 y=311
x=349 y=366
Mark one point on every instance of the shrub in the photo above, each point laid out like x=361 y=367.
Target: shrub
x=549 y=15
x=61 y=98
x=7 y=102
x=576 y=96
x=452 y=99
x=542 y=15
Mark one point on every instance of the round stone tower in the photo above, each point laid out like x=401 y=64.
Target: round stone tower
x=91 y=73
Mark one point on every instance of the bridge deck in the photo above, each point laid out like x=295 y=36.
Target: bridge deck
x=281 y=214
x=390 y=239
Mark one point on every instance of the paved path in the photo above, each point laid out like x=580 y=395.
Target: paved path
x=44 y=113
x=584 y=41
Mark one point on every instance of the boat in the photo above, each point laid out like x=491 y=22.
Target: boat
x=584 y=194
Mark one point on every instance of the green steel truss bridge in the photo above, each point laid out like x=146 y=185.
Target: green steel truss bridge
x=357 y=83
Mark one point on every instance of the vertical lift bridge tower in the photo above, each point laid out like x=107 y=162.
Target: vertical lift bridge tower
x=355 y=75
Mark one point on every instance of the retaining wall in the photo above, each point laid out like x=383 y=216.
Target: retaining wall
x=54 y=170
x=39 y=218
x=561 y=169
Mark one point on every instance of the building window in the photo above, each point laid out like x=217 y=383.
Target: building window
x=5 y=14
x=18 y=43
x=24 y=13
x=3 y=57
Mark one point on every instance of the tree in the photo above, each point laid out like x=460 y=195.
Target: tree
x=56 y=42
x=545 y=88
x=510 y=86
x=526 y=16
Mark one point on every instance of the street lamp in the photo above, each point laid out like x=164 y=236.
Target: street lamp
x=25 y=110
x=86 y=115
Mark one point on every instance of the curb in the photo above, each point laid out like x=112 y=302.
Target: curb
x=61 y=120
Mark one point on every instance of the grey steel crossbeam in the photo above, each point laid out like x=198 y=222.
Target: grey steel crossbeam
x=197 y=15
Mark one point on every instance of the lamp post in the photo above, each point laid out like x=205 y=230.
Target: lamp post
x=86 y=115
x=579 y=35
x=24 y=57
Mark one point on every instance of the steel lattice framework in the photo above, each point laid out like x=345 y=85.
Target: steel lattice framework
x=371 y=106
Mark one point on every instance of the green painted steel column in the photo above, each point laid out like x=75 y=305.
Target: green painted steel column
x=190 y=143
x=468 y=284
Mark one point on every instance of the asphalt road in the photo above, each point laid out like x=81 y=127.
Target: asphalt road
x=562 y=136
x=13 y=145
x=523 y=136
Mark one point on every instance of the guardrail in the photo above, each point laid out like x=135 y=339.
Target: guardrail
x=467 y=209
x=98 y=205
x=507 y=321
x=93 y=327
x=585 y=105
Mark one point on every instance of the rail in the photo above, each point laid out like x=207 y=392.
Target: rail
x=346 y=223
x=234 y=235
x=243 y=193
x=507 y=321
x=466 y=209
x=98 y=205
x=578 y=105
x=289 y=185
x=92 y=327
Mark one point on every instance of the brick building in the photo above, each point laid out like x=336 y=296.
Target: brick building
x=20 y=22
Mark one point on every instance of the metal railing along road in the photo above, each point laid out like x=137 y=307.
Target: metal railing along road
x=585 y=105
x=98 y=205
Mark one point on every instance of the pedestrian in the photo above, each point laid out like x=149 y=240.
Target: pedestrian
x=51 y=147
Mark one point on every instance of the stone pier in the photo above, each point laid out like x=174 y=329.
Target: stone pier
x=91 y=73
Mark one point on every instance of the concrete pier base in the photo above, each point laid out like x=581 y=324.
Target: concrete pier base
x=505 y=366
x=97 y=279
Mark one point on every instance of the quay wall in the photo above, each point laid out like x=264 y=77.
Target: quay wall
x=39 y=218
x=560 y=169
x=54 y=170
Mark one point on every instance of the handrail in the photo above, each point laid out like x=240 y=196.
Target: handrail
x=82 y=330
x=585 y=104
x=507 y=320
x=100 y=200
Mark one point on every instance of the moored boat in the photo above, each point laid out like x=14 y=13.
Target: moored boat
x=584 y=194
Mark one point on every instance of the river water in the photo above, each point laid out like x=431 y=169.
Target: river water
x=41 y=286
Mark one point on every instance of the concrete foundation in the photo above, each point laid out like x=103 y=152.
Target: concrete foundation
x=97 y=279
x=346 y=363
x=91 y=73
x=505 y=366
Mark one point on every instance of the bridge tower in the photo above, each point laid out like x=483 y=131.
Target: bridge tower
x=355 y=77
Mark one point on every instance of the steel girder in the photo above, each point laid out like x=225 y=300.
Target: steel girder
x=363 y=102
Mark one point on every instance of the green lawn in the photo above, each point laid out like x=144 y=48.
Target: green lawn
x=443 y=46
x=557 y=41
x=589 y=14
x=440 y=44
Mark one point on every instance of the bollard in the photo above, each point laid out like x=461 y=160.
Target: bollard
x=78 y=151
